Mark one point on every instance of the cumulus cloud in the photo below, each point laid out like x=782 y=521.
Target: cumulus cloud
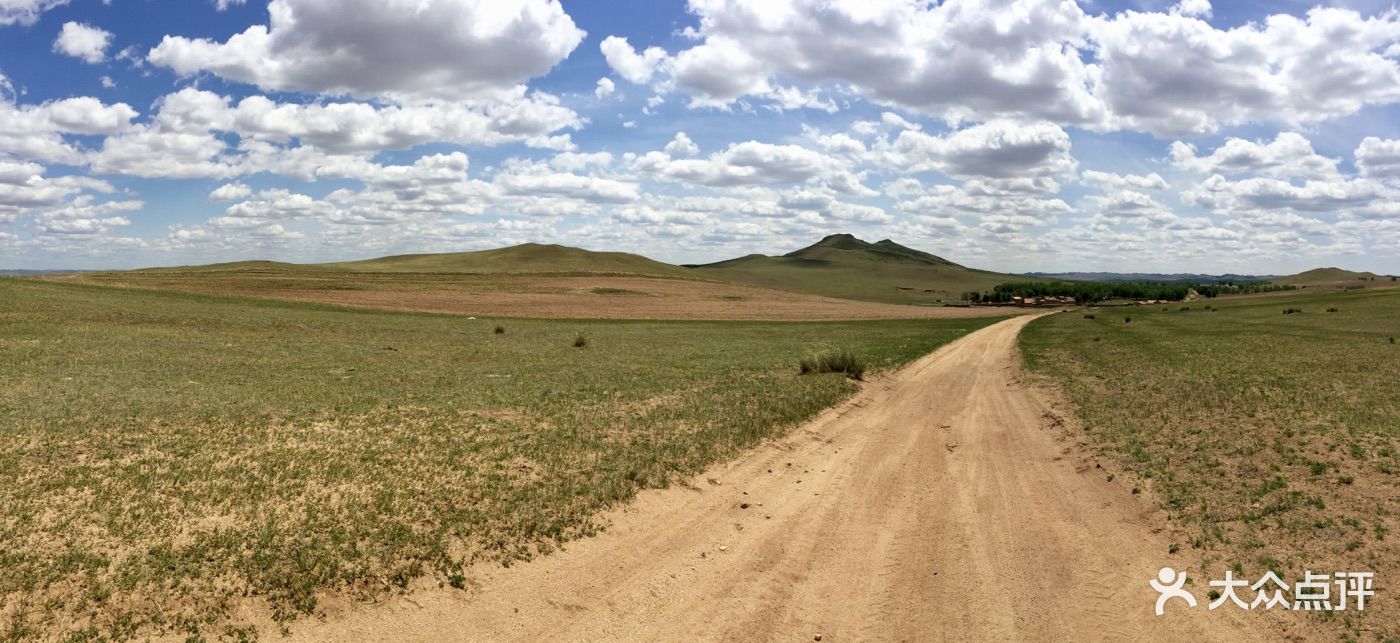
x=406 y=49
x=1167 y=73
x=1175 y=74
x=999 y=149
x=604 y=89
x=25 y=12
x=230 y=192
x=1378 y=158
x=1289 y=155
x=633 y=67
x=84 y=41
x=38 y=132
x=752 y=163
x=1108 y=181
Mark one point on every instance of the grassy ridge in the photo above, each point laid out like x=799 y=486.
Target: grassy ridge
x=1273 y=440
x=522 y=259
x=163 y=455
x=849 y=268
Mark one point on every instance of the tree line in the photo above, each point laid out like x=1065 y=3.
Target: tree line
x=1085 y=292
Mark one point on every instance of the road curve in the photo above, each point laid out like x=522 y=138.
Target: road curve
x=934 y=505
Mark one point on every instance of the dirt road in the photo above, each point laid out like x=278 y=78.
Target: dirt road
x=936 y=505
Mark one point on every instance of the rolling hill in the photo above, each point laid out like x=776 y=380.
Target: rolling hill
x=525 y=258
x=841 y=265
x=1331 y=276
x=528 y=258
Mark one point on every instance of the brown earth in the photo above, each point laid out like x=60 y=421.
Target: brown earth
x=942 y=503
x=549 y=296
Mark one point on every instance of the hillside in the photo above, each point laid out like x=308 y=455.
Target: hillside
x=1331 y=276
x=841 y=265
x=522 y=259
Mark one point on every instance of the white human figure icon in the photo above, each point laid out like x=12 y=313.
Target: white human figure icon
x=1169 y=584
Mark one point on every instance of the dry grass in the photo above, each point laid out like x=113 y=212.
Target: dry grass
x=1272 y=440
x=166 y=457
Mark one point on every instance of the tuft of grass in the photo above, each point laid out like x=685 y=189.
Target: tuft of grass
x=834 y=361
x=500 y=330
x=1291 y=310
x=580 y=340
x=1333 y=309
x=1088 y=315
x=1127 y=320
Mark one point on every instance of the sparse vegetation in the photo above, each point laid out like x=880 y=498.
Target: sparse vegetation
x=833 y=361
x=580 y=340
x=1269 y=444
x=163 y=454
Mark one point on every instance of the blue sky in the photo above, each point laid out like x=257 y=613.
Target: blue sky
x=1015 y=136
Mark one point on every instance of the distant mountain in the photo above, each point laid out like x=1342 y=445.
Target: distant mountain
x=524 y=258
x=529 y=258
x=841 y=265
x=1332 y=276
x=35 y=273
x=1121 y=277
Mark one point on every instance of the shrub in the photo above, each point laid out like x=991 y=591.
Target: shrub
x=1127 y=320
x=839 y=361
x=1185 y=308
x=580 y=340
x=1290 y=311
x=1392 y=340
x=1331 y=310
x=1088 y=315
x=500 y=330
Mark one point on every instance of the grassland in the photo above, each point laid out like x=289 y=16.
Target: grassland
x=168 y=460
x=521 y=259
x=1272 y=440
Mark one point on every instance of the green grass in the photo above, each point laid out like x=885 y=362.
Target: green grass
x=522 y=259
x=165 y=455
x=1272 y=440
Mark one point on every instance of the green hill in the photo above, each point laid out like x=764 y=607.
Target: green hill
x=841 y=265
x=231 y=266
x=1328 y=276
x=522 y=259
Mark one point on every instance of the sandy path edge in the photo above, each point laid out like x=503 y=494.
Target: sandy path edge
x=936 y=504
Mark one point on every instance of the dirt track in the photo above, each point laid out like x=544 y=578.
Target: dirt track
x=935 y=505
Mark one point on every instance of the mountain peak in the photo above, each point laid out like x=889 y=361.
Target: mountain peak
x=882 y=250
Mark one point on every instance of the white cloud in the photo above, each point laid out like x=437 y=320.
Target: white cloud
x=459 y=48
x=681 y=145
x=1194 y=8
x=959 y=59
x=25 y=12
x=604 y=89
x=626 y=62
x=999 y=149
x=230 y=192
x=1378 y=158
x=1173 y=74
x=221 y=5
x=81 y=40
x=1167 y=73
x=1288 y=155
x=752 y=163
x=1109 y=181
